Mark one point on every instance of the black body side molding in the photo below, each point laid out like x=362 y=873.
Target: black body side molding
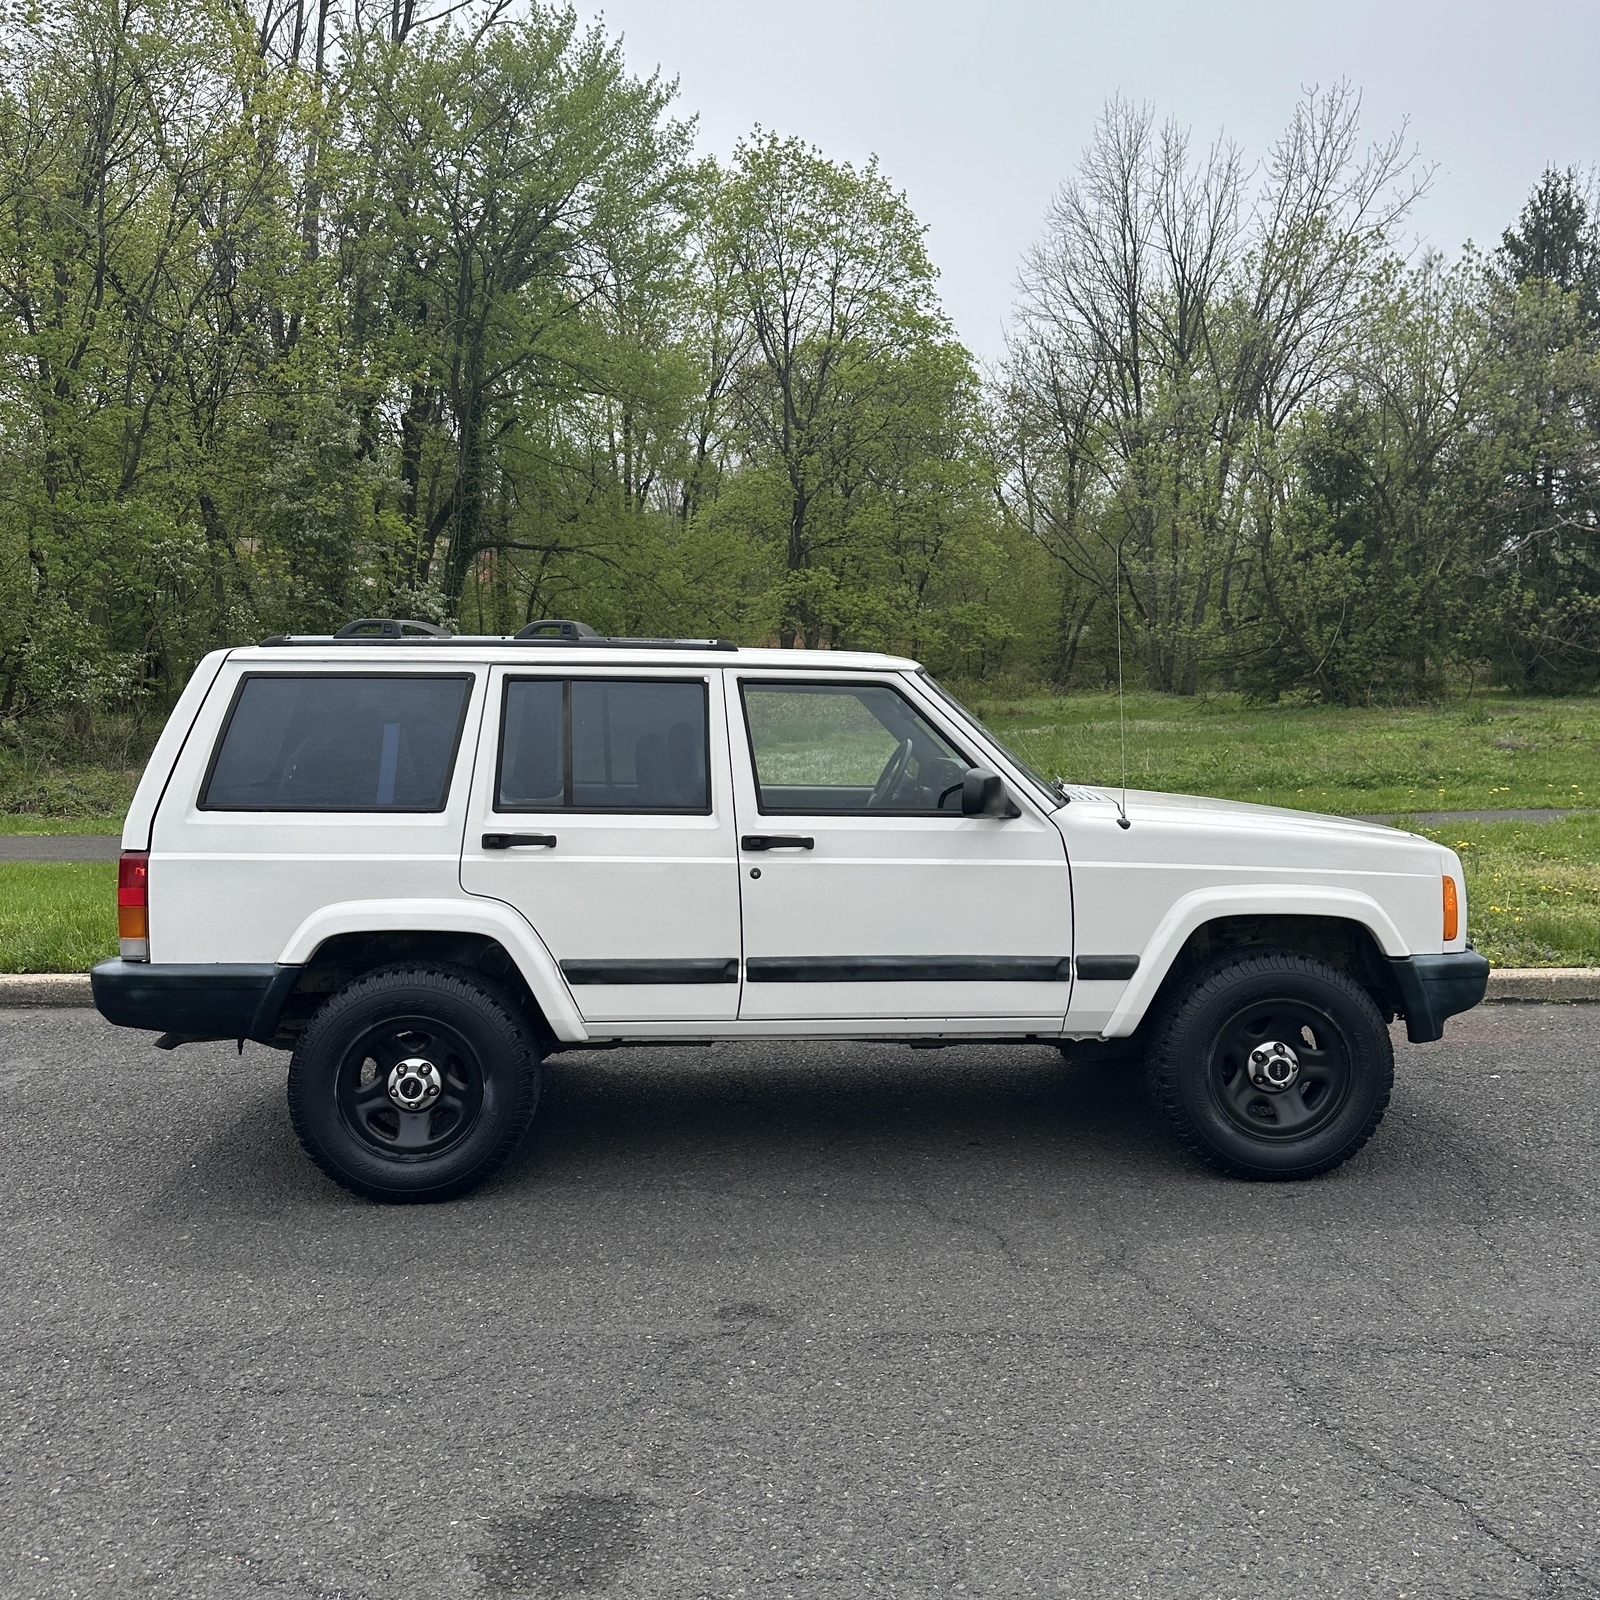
x=712 y=971
x=1093 y=968
x=908 y=969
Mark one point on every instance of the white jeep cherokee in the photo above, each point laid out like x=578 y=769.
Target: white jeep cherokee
x=423 y=862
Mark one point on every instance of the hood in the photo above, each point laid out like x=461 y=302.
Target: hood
x=1156 y=805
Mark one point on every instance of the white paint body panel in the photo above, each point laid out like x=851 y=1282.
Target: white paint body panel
x=625 y=886
x=169 y=746
x=906 y=886
x=236 y=885
x=1184 y=861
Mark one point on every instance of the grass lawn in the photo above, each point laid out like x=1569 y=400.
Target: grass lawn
x=1533 y=889
x=57 y=916
x=1490 y=752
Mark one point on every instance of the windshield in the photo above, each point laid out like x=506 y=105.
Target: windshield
x=1053 y=791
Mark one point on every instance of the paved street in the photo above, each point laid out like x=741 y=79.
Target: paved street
x=801 y=1322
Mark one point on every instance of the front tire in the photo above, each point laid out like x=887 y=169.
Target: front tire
x=1272 y=1066
x=414 y=1083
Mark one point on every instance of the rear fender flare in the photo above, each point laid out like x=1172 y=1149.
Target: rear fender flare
x=1192 y=910
x=492 y=918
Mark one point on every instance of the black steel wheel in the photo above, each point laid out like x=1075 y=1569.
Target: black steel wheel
x=1280 y=1069
x=414 y=1083
x=410 y=1086
x=1272 y=1065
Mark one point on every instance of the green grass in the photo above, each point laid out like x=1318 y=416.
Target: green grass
x=40 y=795
x=1490 y=752
x=14 y=823
x=1533 y=890
x=57 y=916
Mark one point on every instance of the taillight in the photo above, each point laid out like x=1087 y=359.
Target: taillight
x=1452 y=909
x=133 y=905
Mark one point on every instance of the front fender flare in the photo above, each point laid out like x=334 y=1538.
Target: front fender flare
x=492 y=918
x=1192 y=910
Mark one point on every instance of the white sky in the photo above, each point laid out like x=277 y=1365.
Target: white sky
x=979 y=111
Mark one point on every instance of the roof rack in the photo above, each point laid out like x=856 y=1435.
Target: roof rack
x=549 y=630
x=390 y=628
x=556 y=628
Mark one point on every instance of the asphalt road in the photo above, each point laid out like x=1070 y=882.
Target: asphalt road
x=801 y=1322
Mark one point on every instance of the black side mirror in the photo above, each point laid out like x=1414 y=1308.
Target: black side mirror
x=983 y=794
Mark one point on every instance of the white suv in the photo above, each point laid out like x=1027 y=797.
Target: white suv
x=422 y=862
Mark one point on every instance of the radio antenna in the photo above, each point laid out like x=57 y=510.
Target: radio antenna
x=1122 y=715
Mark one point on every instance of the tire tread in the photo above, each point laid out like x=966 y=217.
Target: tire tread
x=1164 y=1060
x=458 y=984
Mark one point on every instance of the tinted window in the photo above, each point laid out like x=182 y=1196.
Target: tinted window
x=848 y=747
x=533 y=749
x=338 y=744
x=604 y=744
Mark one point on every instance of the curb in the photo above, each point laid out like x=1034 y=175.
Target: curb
x=1563 y=984
x=1544 y=983
x=45 y=989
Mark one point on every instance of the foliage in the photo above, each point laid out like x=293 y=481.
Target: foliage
x=329 y=310
x=335 y=314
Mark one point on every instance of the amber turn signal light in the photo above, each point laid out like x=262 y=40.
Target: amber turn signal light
x=1452 y=909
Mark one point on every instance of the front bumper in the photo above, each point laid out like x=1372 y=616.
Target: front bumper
x=1435 y=987
x=202 y=1000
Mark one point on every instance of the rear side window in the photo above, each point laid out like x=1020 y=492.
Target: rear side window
x=604 y=744
x=338 y=743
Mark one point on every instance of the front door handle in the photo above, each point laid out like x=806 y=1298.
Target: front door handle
x=509 y=841
x=776 y=841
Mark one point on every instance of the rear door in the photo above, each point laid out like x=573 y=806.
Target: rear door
x=866 y=893
x=601 y=809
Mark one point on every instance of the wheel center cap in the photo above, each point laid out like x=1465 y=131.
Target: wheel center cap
x=414 y=1084
x=1273 y=1066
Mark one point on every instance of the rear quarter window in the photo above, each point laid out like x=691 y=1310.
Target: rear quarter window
x=338 y=742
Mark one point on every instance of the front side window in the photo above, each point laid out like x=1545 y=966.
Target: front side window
x=338 y=743
x=848 y=747
x=604 y=744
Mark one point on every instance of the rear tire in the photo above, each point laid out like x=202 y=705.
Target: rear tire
x=414 y=1083
x=1272 y=1066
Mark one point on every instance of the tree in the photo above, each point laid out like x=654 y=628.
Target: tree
x=848 y=409
x=1556 y=242
x=1168 y=331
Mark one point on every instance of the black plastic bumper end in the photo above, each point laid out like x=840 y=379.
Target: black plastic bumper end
x=1433 y=988
x=202 y=1000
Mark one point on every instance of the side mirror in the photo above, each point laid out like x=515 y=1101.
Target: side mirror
x=983 y=794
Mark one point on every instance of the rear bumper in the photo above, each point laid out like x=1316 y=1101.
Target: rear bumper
x=1435 y=987
x=209 y=1000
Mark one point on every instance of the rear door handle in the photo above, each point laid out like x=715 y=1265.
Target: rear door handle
x=776 y=841
x=508 y=841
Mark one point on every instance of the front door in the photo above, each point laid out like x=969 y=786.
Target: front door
x=601 y=810
x=866 y=893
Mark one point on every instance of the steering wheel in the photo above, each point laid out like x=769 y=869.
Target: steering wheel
x=894 y=770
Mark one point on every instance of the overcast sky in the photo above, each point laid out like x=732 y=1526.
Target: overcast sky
x=979 y=110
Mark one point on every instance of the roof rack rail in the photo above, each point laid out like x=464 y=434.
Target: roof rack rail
x=389 y=628
x=552 y=628
x=559 y=630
